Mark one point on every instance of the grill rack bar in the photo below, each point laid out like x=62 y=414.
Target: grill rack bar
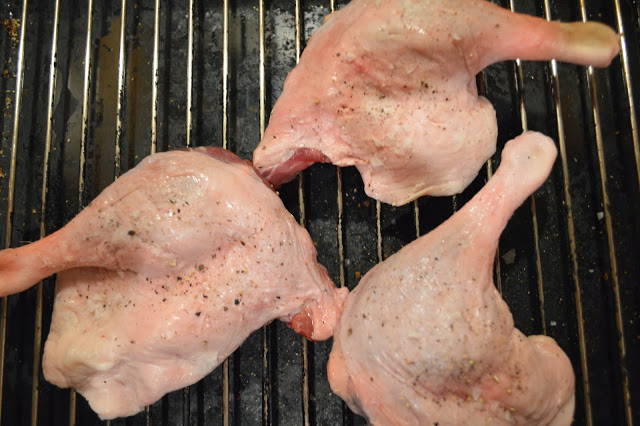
x=190 y=75
x=85 y=102
x=624 y=57
x=612 y=255
x=593 y=91
x=154 y=113
x=155 y=77
x=225 y=145
x=83 y=144
x=37 y=339
x=12 y=186
x=261 y=69
x=586 y=395
x=186 y=392
x=225 y=74
x=416 y=217
x=379 y=230
x=339 y=201
x=266 y=330
x=572 y=244
x=121 y=89
x=519 y=79
x=534 y=214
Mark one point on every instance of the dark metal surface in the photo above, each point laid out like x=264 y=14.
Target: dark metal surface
x=568 y=263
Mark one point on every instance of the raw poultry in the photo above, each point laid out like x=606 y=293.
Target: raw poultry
x=389 y=87
x=166 y=273
x=425 y=338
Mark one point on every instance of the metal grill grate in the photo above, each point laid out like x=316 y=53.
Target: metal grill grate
x=92 y=88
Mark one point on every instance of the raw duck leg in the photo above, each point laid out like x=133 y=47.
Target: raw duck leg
x=426 y=339
x=389 y=87
x=166 y=273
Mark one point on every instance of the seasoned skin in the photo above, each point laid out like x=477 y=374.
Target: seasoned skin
x=425 y=338
x=389 y=87
x=165 y=274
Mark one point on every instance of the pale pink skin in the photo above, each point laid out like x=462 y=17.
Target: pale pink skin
x=149 y=275
x=389 y=86
x=425 y=338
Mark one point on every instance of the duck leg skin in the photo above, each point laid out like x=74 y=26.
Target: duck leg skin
x=425 y=338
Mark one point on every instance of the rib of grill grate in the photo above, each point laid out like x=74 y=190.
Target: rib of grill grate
x=90 y=88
